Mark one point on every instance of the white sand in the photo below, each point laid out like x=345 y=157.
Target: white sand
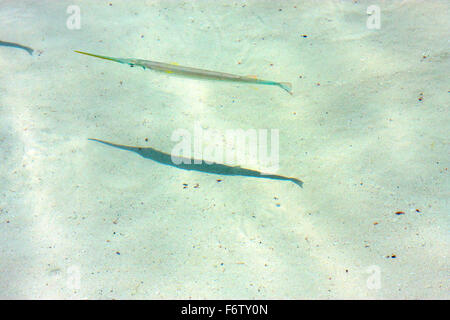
x=362 y=142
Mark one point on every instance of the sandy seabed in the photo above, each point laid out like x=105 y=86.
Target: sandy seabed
x=366 y=130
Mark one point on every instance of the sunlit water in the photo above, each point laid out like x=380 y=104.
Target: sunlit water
x=366 y=130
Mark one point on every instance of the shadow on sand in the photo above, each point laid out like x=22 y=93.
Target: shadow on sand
x=189 y=164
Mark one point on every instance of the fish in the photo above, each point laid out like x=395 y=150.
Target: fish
x=192 y=72
x=16 y=45
x=196 y=165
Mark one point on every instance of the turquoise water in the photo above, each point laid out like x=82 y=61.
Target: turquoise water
x=365 y=130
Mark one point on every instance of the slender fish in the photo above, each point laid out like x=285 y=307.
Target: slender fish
x=16 y=45
x=192 y=72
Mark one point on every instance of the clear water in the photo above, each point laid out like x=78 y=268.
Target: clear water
x=366 y=130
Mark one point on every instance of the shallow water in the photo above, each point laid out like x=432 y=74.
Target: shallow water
x=366 y=130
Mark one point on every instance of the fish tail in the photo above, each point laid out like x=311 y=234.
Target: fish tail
x=286 y=86
x=120 y=60
x=297 y=182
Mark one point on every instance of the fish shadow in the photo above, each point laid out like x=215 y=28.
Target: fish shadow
x=197 y=165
